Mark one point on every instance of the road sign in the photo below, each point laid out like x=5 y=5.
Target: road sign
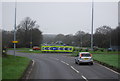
x=14 y=41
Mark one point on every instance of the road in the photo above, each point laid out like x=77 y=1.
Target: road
x=62 y=66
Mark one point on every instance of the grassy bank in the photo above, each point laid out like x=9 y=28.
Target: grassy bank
x=99 y=52
x=27 y=51
x=0 y=68
x=111 y=59
x=19 y=48
x=13 y=67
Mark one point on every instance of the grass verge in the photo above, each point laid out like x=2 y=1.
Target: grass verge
x=14 y=67
x=99 y=52
x=111 y=59
x=0 y=68
x=27 y=51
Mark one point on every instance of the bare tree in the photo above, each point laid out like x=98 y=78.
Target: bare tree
x=28 y=32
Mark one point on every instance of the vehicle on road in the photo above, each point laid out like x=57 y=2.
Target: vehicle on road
x=36 y=48
x=84 y=57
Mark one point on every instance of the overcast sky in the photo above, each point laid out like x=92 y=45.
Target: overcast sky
x=61 y=17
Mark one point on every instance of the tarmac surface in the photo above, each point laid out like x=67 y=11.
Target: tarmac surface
x=62 y=66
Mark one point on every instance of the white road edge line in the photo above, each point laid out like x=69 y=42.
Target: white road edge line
x=84 y=78
x=33 y=62
x=74 y=69
x=109 y=69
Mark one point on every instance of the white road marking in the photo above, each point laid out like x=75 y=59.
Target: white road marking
x=51 y=57
x=54 y=58
x=74 y=69
x=109 y=69
x=33 y=62
x=84 y=78
x=67 y=64
x=57 y=59
x=64 y=62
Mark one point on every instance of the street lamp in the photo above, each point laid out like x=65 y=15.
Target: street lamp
x=15 y=31
x=92 y=25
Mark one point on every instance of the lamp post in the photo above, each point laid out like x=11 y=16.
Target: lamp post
x=92 y=25
x=15 y=30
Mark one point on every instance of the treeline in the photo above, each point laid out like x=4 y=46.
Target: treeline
x=27 y=34
x=104 y=37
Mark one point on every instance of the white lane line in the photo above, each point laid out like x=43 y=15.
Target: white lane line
x=57 y=59
x=109 y=69
x=64 y=62
x=67 y=64
x=51 y=57
x=84 y=78
x=74 y=69
x=54 y=58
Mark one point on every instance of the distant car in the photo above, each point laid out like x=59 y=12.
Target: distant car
x=84 y=57
x=109 y=49
x=36 y=48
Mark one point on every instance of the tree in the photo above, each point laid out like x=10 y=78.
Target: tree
x=59 y=37
x=79 y=38
x=36 y=37
x=27 y=31
x=115 y=34
x=102 y=37
x=7 y=37
x=103 y=30
x=68 y=39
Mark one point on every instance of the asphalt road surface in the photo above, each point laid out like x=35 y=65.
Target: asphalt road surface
x=62 y=66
